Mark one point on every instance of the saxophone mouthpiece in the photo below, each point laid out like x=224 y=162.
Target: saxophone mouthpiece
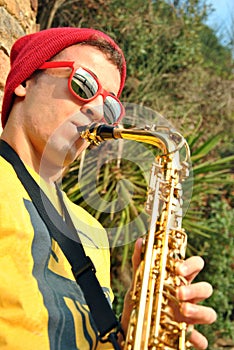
x=97 y=133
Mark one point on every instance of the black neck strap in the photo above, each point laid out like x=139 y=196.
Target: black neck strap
x=68 y=240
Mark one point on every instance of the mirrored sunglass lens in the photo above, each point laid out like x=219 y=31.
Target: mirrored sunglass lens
x=112 y=110
x=84 y=84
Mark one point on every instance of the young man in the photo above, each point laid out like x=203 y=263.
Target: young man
x=61 y=79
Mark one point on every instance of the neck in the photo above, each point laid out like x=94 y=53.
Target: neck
x=48 y=170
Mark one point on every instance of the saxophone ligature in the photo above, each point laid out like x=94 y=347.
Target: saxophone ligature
x=152 y=324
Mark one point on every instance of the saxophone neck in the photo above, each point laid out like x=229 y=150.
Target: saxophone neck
x=164 y=138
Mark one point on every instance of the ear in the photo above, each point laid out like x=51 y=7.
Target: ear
x=20 y=90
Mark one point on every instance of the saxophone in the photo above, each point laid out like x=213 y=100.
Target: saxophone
x=152 y=324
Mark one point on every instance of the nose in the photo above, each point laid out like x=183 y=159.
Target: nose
x=94 y=109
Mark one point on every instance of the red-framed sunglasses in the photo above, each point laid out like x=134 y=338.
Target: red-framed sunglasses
x=85 y=86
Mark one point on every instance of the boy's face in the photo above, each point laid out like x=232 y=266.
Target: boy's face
x=51 y=113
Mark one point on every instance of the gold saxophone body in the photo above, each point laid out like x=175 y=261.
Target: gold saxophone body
x=152 y=324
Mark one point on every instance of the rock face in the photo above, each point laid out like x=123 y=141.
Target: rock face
x=17 y=17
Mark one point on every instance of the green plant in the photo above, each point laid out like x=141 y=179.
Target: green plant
x=218 y=253
x=210 y=176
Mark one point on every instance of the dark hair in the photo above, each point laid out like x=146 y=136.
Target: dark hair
x=104 y=46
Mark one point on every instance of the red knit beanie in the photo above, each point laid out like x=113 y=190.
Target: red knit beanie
x=31 y=51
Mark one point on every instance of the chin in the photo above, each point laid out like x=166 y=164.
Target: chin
x=74 y=151
x=61 y=152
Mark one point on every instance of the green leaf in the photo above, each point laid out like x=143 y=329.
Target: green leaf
x=206 y=147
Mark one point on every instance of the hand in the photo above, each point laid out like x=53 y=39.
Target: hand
x=189 y=295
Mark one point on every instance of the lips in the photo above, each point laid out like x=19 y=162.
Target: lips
x=81 y=128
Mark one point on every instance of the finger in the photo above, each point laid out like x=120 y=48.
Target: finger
x=136 y=257
x=197 y=314
x=190 y=267
x=198 y=340
x=195 y=292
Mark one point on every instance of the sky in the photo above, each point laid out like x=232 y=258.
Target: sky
x=222 y=19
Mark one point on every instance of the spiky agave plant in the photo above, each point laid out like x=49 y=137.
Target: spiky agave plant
x=113 y=186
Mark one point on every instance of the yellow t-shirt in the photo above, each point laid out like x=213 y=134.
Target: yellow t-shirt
x=41 y=305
